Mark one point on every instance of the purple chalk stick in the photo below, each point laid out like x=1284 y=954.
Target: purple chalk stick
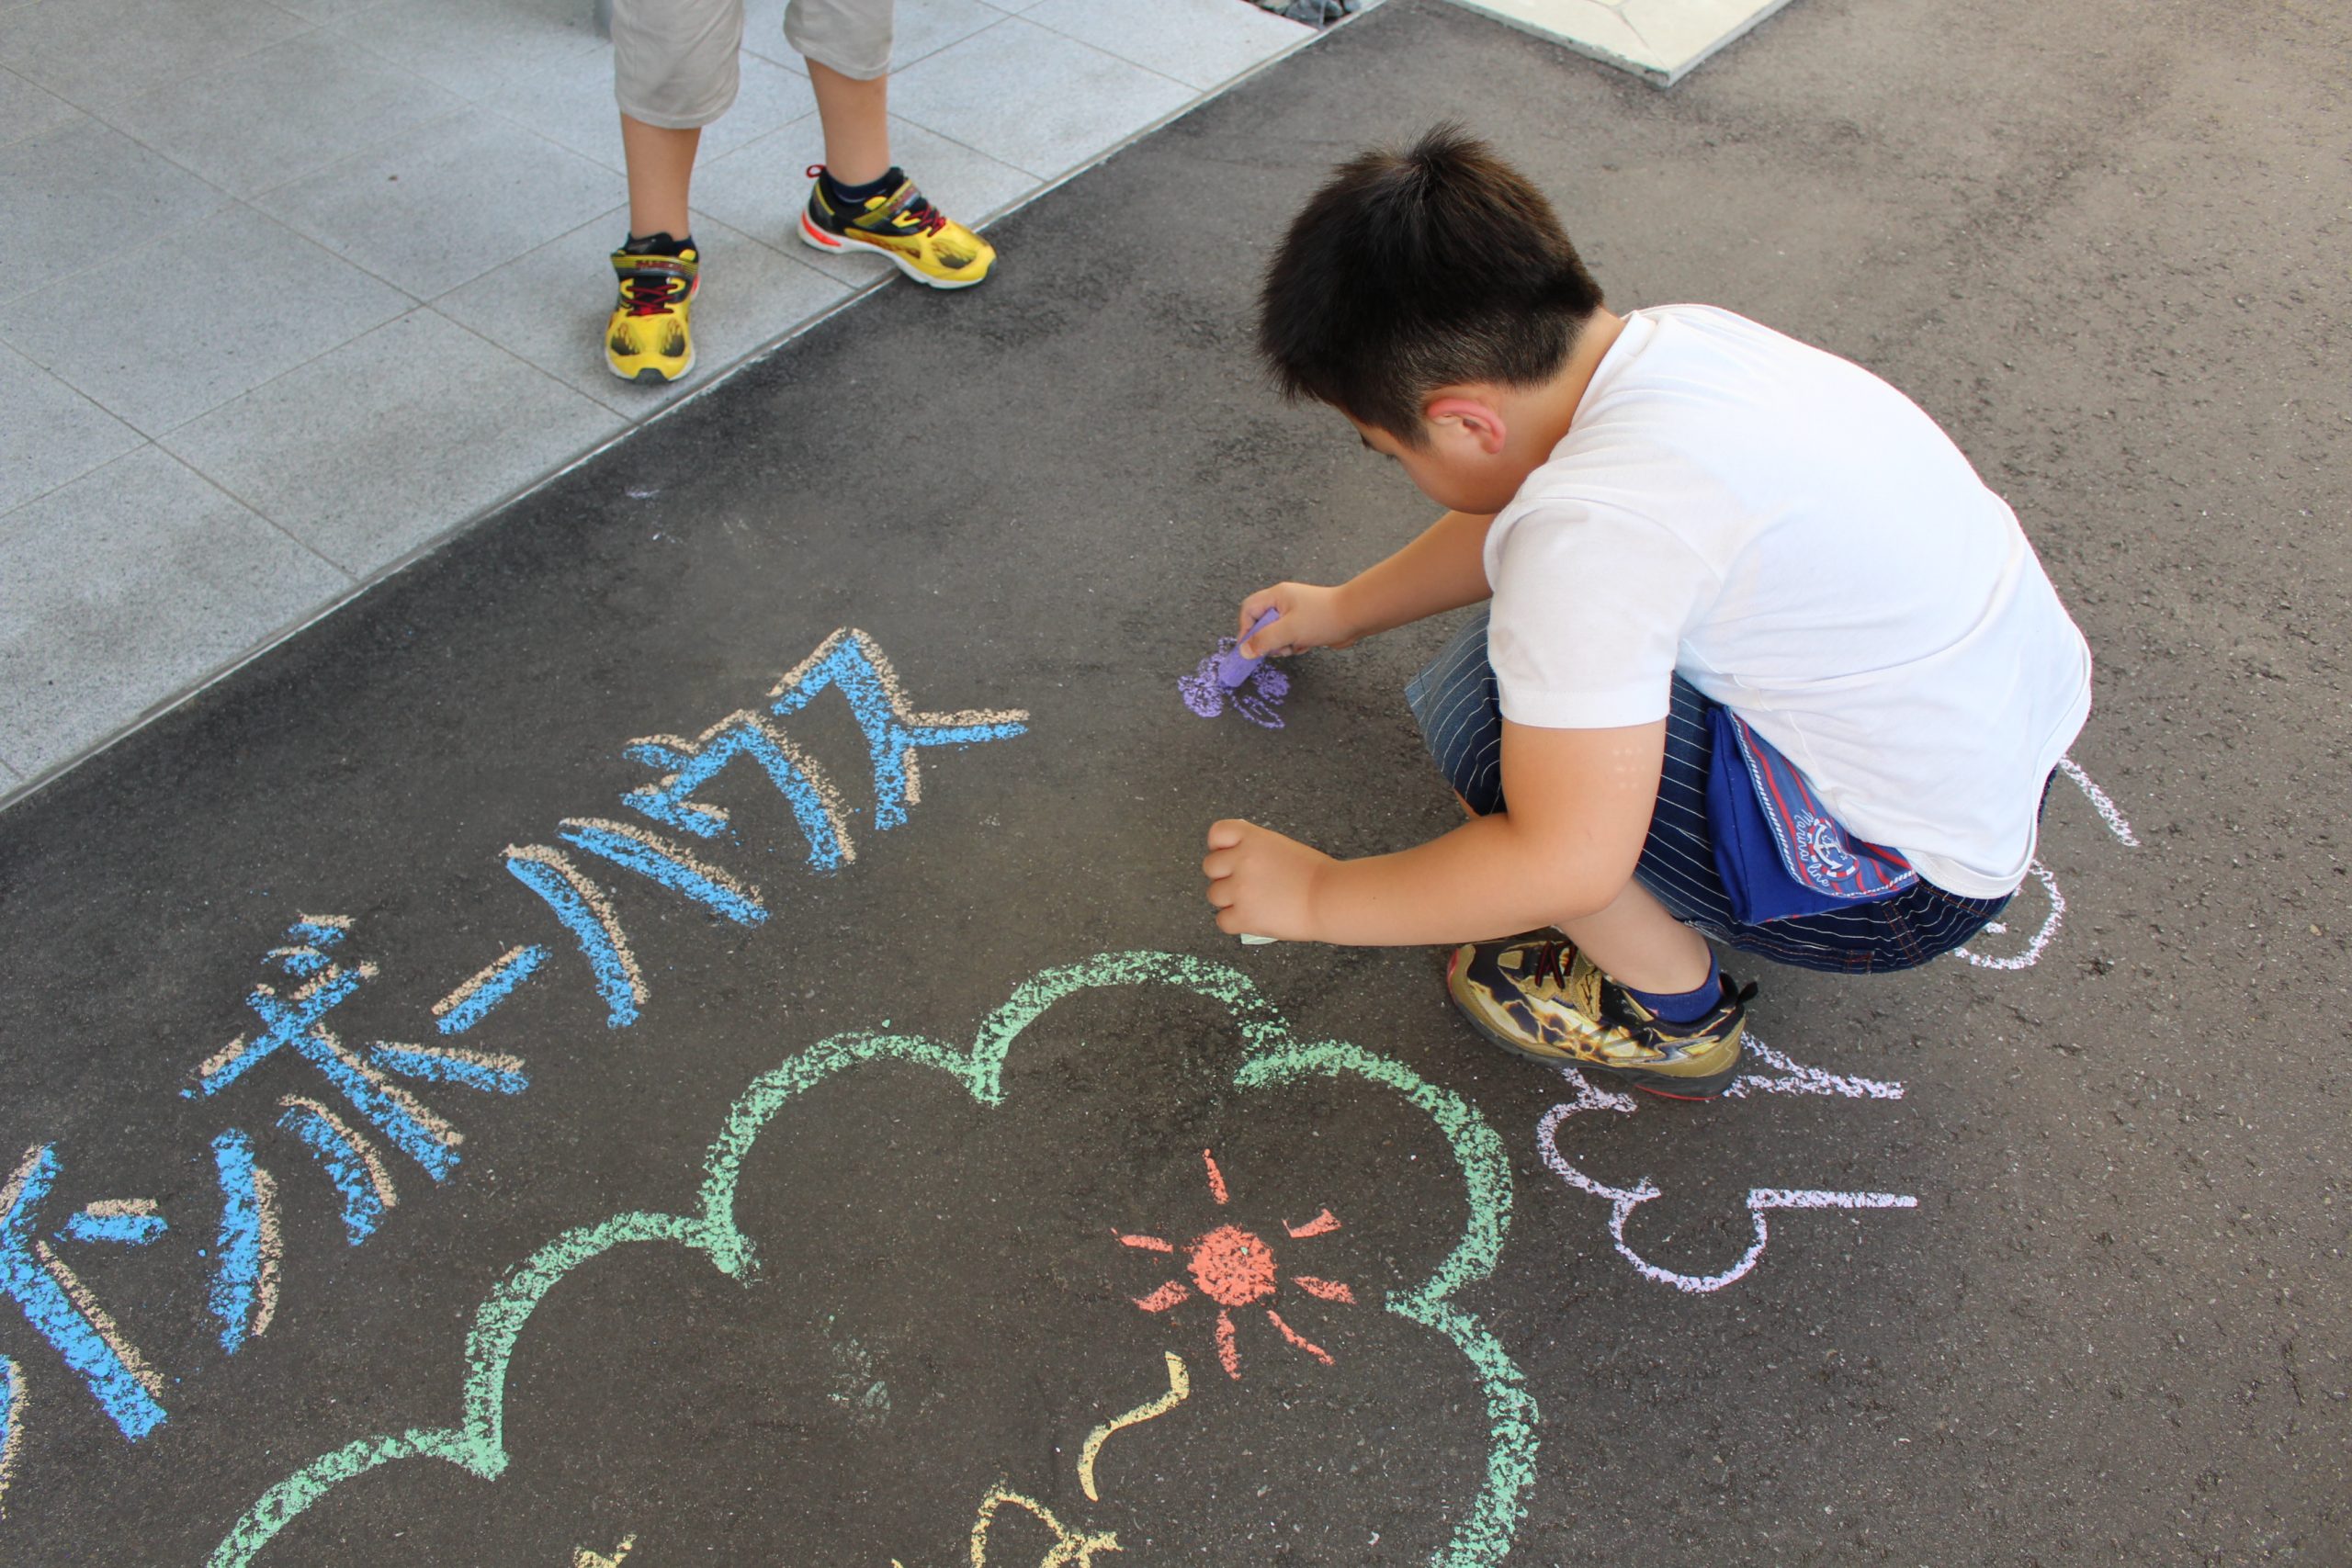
x=1235 y=666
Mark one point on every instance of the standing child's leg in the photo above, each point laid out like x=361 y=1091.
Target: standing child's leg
x=660 y=173
x=859 y=200
x=857 y=118
x=676 y=64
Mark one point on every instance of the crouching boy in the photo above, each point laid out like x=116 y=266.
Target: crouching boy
x=1765 y=661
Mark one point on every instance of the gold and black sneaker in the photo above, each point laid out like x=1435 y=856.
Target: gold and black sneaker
x=900 y=225
x=649 y=338
x=1541 y=998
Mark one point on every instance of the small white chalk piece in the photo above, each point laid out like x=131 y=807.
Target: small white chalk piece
x=1251 y=939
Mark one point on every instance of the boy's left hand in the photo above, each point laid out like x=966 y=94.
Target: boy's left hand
x=1262 y=883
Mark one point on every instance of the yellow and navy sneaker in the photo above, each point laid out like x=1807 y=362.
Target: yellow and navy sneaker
x=915 y=236
x=1544 y=999
x=648 y=339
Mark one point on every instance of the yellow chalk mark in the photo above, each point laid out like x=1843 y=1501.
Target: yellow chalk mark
x=1069 y=1551
x=583 y=1557
x=379 y=1177
x=1180 y=1388
x=273 y=1246
x=12 y=1425
x=464 y=993
x=127 y=1353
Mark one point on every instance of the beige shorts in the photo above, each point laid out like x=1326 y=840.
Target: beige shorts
x=676 y=62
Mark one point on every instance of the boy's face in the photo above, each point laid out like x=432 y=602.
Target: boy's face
x=1468 y=464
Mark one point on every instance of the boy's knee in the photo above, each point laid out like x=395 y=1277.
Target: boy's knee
x=852 y=37
x=676 y=63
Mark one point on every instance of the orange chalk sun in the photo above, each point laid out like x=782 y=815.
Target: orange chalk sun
x=1235 y=1268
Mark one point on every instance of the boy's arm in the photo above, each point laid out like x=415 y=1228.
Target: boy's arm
x=1443 y=569
x=1579 y=810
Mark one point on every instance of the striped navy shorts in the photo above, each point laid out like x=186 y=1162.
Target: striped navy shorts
x=1455 y=703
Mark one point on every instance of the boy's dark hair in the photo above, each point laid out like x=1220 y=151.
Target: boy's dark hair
x=1436 y=267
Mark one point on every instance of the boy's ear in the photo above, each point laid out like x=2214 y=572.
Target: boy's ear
x=1478 y=420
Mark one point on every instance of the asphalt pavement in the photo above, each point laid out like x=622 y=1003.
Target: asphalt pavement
x=683 y=1027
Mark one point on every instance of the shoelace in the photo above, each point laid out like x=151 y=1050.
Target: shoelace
x=648 y=296
x=925 y=215
x=1553 y=960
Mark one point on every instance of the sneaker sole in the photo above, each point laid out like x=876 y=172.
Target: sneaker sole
x=1665 y=1086
x=816 y=239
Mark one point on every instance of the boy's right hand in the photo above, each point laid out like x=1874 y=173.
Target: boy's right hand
x=1311 y=617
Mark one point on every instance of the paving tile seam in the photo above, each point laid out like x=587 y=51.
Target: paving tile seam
x=897 y=66
x=28 y=785
x=31 y=781
x=217 y=483
x=11 y=297
x=249 y=214
x=1199 y=95
x=157 y=435
x=308 y=26
x=248 y=201
x=464 y=104
x=352 y=577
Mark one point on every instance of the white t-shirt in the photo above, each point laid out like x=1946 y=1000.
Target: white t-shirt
x=1801 y=543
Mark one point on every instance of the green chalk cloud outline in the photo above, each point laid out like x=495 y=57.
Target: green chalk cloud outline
x=477 y=1443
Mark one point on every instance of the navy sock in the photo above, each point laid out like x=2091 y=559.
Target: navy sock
x=1684 y=1007
x=660 y=244
x=892 y=178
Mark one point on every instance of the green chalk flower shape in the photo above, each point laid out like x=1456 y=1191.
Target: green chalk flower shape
x=476 y=1443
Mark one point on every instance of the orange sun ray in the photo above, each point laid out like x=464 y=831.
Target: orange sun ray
x=1172 y=1293
x=1216 y=1180
x=1291 y=1334
x=1232 y=1268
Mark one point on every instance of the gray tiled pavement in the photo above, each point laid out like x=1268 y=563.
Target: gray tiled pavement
x=338 y=267
x=143 y=542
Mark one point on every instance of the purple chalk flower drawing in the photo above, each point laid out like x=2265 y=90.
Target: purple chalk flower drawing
x=1256 y=699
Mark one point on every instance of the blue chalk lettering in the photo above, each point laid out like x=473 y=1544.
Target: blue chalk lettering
x=378 y=1103
x=615 y=976
x=33 y=1277
x=795 y=776
x=295 y=1025
x=363 y=1205
x=319 y=933
x=289 y=1025
x=677 y=874
x=130 y=1230
x=236 y=1275
x=851 y=663
x=512 y=971
x=12 y=1436
x=449 y=1066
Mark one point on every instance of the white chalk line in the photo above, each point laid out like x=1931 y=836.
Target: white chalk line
x=1793 y=1077
x=2100 y=801
x=1797 y=1079
x=2041 y=939
x=2041 y=873
x=1790 y=1077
